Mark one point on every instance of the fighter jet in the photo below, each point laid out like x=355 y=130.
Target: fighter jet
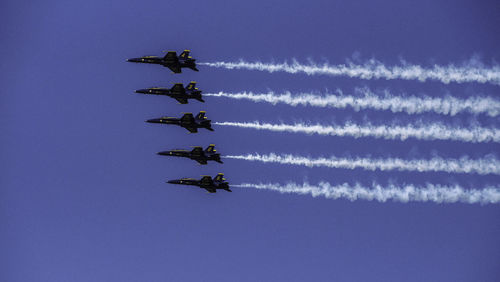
x=196 y=154
x=178 y=92
x=187 y=121
x=211 y=185
x=171 y=61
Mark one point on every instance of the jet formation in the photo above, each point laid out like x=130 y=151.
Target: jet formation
x=170 y=60
x=178 y=92
x=188 y=121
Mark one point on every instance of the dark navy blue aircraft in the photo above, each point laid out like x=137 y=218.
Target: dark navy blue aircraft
x=207 y=183
x=187 y=121
x=171 y=60
x=197 y=154
x=178 y=92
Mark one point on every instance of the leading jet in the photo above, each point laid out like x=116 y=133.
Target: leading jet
x=197 y=154
x=187 y=121
x=207 y=183
x=171 y=60
x=178 y=92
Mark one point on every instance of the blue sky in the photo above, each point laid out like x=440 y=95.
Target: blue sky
x=83 y=195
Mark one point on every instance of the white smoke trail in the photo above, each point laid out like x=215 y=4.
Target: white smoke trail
x=447 y=105
x=472 y=72
x=488 y=165
x=435 y=131
x=406 y=193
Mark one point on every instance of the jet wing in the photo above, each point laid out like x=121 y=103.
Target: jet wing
x=178 y=87
x=192 y=129
x=197 y=150
x=202 y=161
x=171 y=56
x=187 y=118
x=175 y=68
x=181 y=100
x=210 y=190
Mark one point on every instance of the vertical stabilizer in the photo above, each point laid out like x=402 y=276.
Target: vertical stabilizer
x=185 y=54
x=201 y=115
x=210 y=149
x=219 y=177
x=191 y=86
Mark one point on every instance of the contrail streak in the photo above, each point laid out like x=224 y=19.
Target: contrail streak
x=488 y=165
x=435 y=131
x=375 y=70
x=406 y=193
x=366 y=99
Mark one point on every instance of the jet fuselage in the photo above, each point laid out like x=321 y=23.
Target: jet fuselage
x=171 y=60
x=207 y=183
x=182 y=63
x=180 y=95
x=187 y=121
x=197 y=155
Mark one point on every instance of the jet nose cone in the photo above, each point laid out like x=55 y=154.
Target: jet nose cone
x=164 y=153
x=174 y=182
x=143 y=91
x=154 y=120
x=133 y=60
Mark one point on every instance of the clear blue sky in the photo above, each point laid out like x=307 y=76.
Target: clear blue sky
x=83 y=196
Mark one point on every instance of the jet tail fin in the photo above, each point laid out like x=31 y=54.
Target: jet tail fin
x=195 y=93
x=194 y=68
x=210 y=148
x=219 y=177
x=201 y=115
x=185 y=54
x=191 y=85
